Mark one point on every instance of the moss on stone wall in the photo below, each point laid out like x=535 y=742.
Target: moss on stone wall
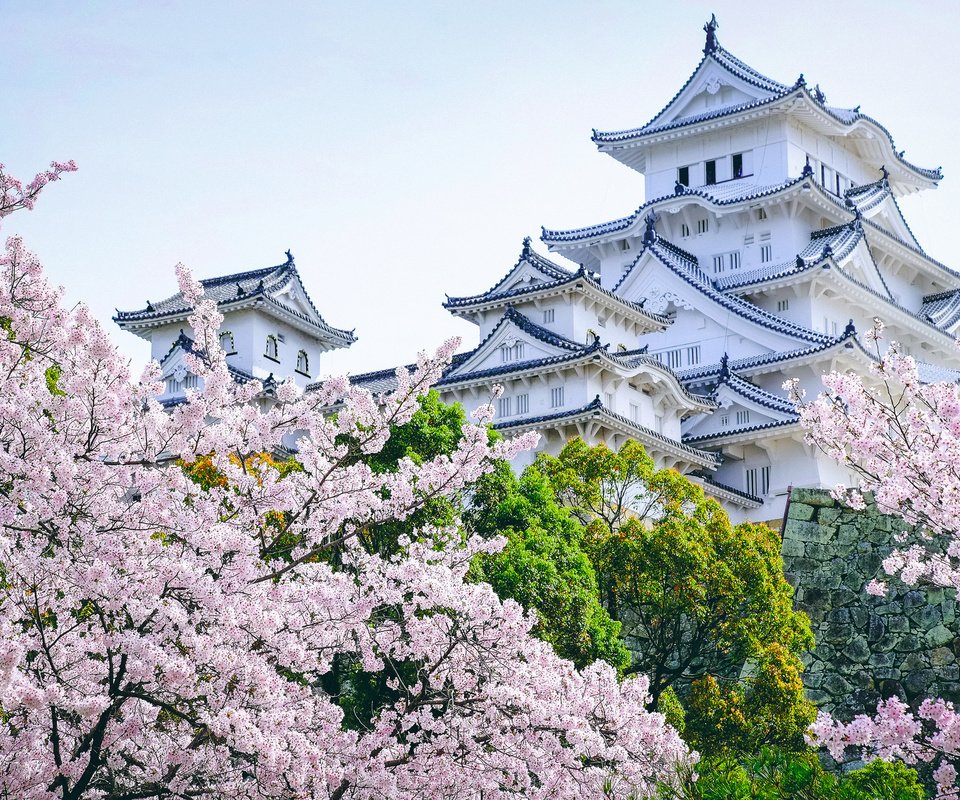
x=904 y=644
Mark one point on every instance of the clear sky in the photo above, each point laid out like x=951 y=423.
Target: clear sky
x=401 y=150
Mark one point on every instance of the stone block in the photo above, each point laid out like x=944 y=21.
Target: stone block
x=828 y=516
x=939 y=635
x=929 y=617
x=800 y=511
x=886 y=673
x=859 y=616
x=843 y=597
x=857 y=650
x=908 y=644
x=942 y=656
x=876 y=629
x=914 y=661
x=791 y=548
x=837 y=634
x=913 y=599
x=951 y=673
x=916 y=683
x=839 y=615
x=848 y=534
x=897 y=624
x=818 y=696
x=836 y=684
x=889 y=608
x=812 y=497
x=882 y=660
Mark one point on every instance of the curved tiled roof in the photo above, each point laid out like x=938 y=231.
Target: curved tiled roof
x=570 y=279
x=942 y=309
x=240 y=287
x=752 y=500
x=708 y=371
x=780 y=423
x=753 y=393
x=597 y=408
x=779 y=91
x=687 y=267
x=842 y=240
x=744 y=192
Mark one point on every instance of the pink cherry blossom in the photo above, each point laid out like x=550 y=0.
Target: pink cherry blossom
x=902 y=439
x=159 y=640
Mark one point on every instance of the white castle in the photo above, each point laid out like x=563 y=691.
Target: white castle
x=771 y=240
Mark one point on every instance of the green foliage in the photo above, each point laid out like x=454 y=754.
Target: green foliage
x=543 y=567
x=697 y=597
x=52 y=376
x=775 y=774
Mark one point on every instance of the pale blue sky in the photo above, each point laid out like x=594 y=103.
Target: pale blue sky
x=401 y=150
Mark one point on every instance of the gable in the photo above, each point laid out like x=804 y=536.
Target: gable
x=508 y=343
x=525 y=273
x=860 y=266
x=711 y=89
x=735 y=412
x=664 y=291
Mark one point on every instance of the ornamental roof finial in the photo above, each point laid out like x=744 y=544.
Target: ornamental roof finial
x=527 y=243
x=850 y=330
x=807 y=169
x=289 y=257
x=801 y=81
x=724 y=368
x=711 y=30
x=149 y=306
x=883 y=172
x=818 y=95
x=650 y=234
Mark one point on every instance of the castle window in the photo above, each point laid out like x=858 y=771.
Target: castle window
x=717 y=264
x=766 y=253
x=683 y=175
x=548 y=316
x=758 y=480
x=737 y=159
x=693 y=355
x=658 y=423
x=624 y=245
x=839 y=177
x=703 y=225
x=783 y=305
x=226 y=343
x=684 y=230
x=725 y=420
x=711 y=170
x=523 y=403
x=503 y=407
x=761 y=213
x=191 y=382
x=823 y=175
x=748 y=239
x=271 y=350
x=303 y=363
x=608 y=401
x=634 y=412
x=743 y=417
x=556 y=397
x=672 y=358
x=511 y=352
x=734 y=259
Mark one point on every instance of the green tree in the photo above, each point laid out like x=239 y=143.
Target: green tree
x=697 y=597
x=543 y=566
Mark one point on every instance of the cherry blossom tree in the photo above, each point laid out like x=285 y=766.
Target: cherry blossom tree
x=901 y=437
x=162 y=636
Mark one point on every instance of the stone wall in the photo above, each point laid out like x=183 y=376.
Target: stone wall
x=904 y=644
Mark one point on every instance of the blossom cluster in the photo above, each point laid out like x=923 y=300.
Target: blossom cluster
x=901 y=437
x=160 y=640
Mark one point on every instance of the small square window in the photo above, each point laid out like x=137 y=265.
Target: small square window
x=683 y=176
x=711 y=172
x=737 y=160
